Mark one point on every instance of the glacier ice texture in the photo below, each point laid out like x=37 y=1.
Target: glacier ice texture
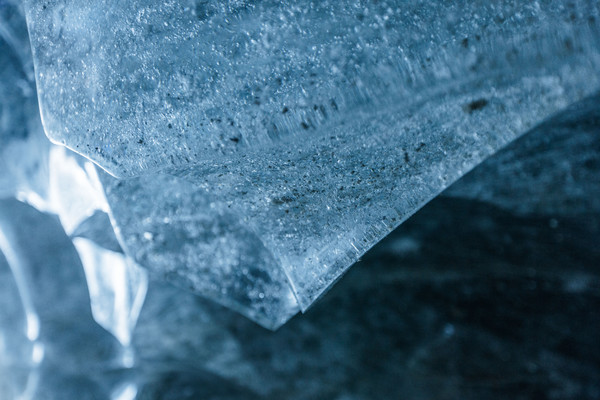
x=251 y=152
x=466 y=299
x=140 y=85
x=23 y=146
x=263 y=148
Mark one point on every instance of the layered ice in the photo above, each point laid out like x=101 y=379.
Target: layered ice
x=317 y=207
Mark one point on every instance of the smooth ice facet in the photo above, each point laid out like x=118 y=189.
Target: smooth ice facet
x=117 y=288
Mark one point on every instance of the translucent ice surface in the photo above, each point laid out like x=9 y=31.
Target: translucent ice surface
x=263 y=147
x=248 y=153
x=140 y=85
x=315 y=208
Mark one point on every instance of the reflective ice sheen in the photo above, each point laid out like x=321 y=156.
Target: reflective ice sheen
x=23 y=147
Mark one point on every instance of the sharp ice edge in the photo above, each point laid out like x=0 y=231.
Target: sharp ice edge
x=447 y=88
x=318 y=206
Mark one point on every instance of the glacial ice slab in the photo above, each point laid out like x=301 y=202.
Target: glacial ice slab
x=181 y=234
x=266 y=147
x=316 y=207
x=140 y=85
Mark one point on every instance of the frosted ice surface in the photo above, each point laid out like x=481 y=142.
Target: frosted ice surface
x=317 y=207
x=139 y=85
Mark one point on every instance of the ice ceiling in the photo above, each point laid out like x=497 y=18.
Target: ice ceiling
x=252 y=151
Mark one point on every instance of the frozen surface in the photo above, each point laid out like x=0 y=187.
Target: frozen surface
x=181 y=235
x=140 y=85
x=317 y=207
x=265 y=147
x=464 y=300
x=58 y=324
x=117 y=287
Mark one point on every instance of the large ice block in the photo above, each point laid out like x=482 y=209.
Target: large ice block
x=140 y=85
x=318 y=208
x=274 y=144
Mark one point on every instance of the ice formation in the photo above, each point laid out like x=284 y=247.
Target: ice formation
x=255 y=150
x=265 y=147
x=250 y=152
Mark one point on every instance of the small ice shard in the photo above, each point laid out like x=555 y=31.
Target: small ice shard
x=140 y=85
x=74 y=357
x=74 y=189
x=45 y=259
x=117 y=286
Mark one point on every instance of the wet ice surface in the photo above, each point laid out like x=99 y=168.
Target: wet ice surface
x=23 y=147
x=463 y=300
x=318 y=207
